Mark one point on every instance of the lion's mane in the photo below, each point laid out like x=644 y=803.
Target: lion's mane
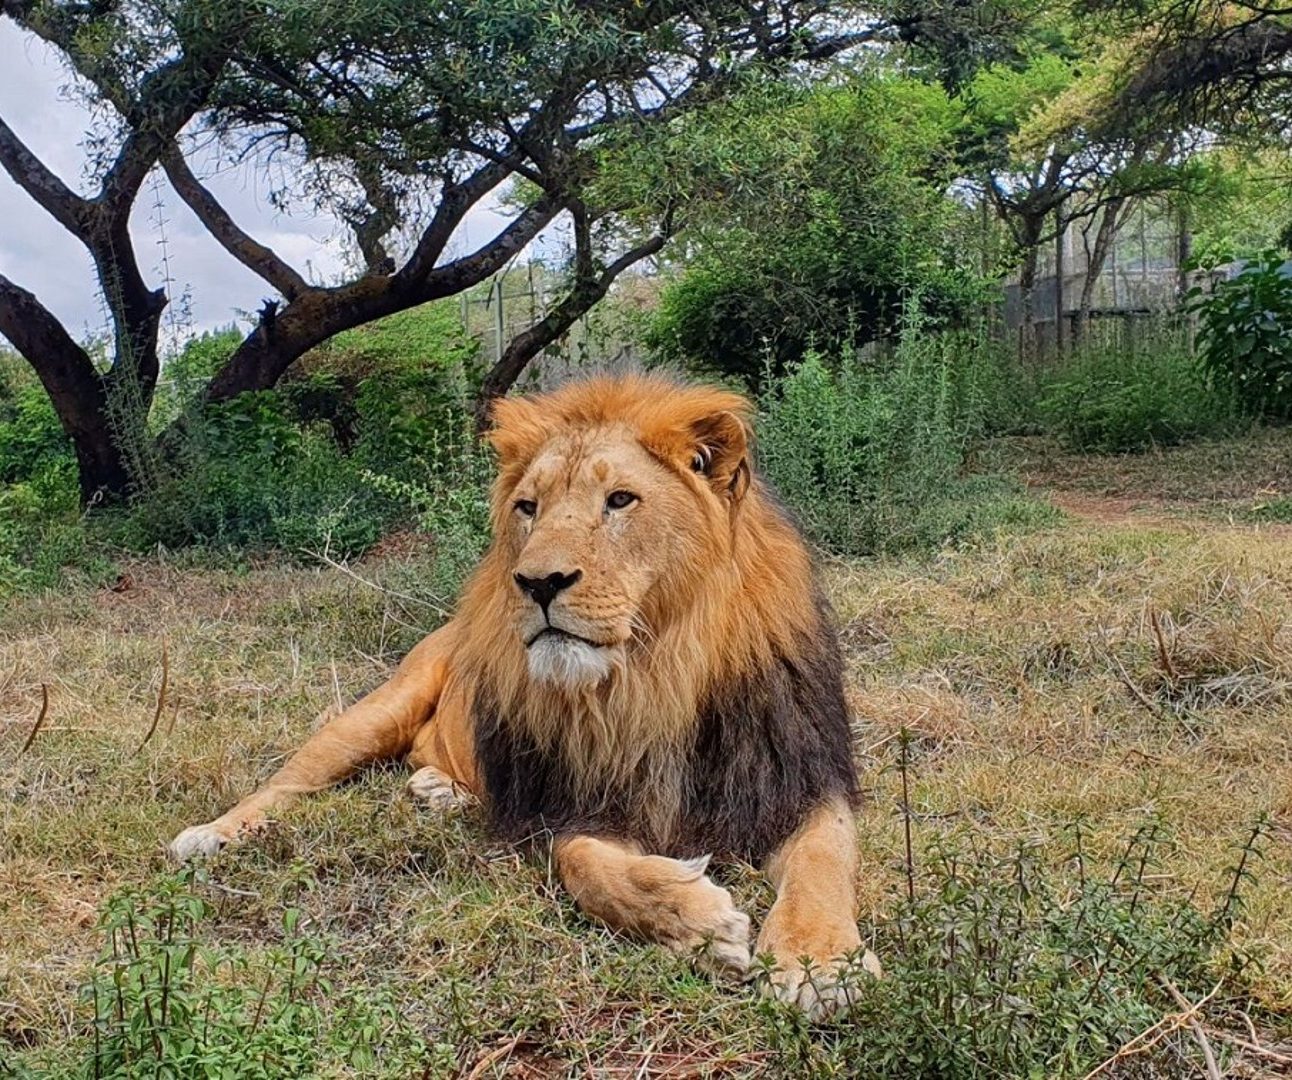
x=725 y=723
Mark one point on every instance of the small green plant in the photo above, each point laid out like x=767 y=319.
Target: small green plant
x=163 y=1003
x=1246 y=326
x=999 y=964
x=1129 y=391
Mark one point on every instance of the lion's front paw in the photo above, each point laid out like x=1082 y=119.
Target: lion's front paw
x=818 y=963
x=436 y=790
x=707 y=925
x=205 y=840
x=821 y=990
x=198 y=841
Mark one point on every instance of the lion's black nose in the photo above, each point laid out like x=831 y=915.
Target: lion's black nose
x=543 y=590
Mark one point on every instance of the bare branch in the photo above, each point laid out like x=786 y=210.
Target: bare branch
x=68 y=208
x=455 y=201
x=246 y=249
x=471 y=269
x=169 y=98
x=529 y=343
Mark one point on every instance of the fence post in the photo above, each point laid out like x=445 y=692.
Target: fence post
x=1059 y=324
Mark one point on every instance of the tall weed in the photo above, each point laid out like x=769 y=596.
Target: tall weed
x=871 y=452
x=1128 y=389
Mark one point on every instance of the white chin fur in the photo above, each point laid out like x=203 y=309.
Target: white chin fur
x=567 y=661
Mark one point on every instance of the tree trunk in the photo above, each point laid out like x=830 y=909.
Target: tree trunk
x=1109 y=223
x=77 y=391
x=1029 y=241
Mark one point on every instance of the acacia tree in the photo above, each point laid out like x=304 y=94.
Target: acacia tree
x=1028 y=143
x=398 y=119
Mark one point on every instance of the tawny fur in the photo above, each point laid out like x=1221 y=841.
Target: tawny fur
x=701 y=585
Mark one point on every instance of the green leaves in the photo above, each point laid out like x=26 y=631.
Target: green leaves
x=1246 y=328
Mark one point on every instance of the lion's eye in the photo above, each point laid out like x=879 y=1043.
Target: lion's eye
x=526 y=507
x=617 y=500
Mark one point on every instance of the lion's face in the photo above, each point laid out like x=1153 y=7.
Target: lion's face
x=598 y=527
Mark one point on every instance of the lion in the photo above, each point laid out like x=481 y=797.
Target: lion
x=641 y=670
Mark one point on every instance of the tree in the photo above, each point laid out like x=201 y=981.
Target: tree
x=825 y=210
x=1223 y=66
x=398 y=119
x=1028 y=142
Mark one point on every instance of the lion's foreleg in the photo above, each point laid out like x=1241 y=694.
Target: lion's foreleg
x=382 y=725
x=812 y=927
x=670 y=901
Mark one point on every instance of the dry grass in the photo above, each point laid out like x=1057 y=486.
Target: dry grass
x=1233 y=473
x=1106 y=672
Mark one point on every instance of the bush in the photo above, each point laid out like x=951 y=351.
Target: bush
x=164 y=1004
x=1246 y=325
x=871 y=453
x=31 y=438
x=1123 y=391
x=829 y=214
x=43 y=537
x=326 y=461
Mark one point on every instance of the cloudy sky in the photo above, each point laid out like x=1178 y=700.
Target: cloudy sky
x=39 y=255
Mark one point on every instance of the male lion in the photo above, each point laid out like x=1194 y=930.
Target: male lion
x=643 y=669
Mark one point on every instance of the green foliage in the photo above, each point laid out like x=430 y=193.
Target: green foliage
x=31 y=438
x=823 y=212
x=165 y=1004
x=44 y=543
x=1273 y=510
x=316 y=465
x=1132 y=389
x=870 y=453
x=1246 y=326
x=1000 y=967
x=184 y=375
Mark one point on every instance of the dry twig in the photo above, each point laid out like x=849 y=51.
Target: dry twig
x=1163 y=655
x=161 y=697
x=1152 y=1035
x=1213 y=1070
x=40 y=719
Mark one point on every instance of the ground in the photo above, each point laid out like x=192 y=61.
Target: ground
x=1132 y=664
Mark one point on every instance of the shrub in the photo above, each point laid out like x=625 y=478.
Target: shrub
x=327 y=460
x=870 y=452
x=1246 y=325
x=1130 y=391
x=829 y=213
x=184 y=375
x=31 y=438
x=249 y=477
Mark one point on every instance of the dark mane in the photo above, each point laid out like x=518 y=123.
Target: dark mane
x=769 y=747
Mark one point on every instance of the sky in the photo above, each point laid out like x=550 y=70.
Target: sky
x=40 y=256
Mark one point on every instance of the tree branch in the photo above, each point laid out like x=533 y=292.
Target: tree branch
x=254 y=255
x=472 y=269
x=455 y=202
x=580 y=299
x=64 y=368
x=69 y=209
x=168 y=100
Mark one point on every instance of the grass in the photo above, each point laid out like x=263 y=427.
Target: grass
x=1111 y=673
x=1233 y=474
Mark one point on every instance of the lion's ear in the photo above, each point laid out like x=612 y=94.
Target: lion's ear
x=722 y=452
x=516 y=429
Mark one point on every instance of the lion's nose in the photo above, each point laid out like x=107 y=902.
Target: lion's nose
x=543 y=590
